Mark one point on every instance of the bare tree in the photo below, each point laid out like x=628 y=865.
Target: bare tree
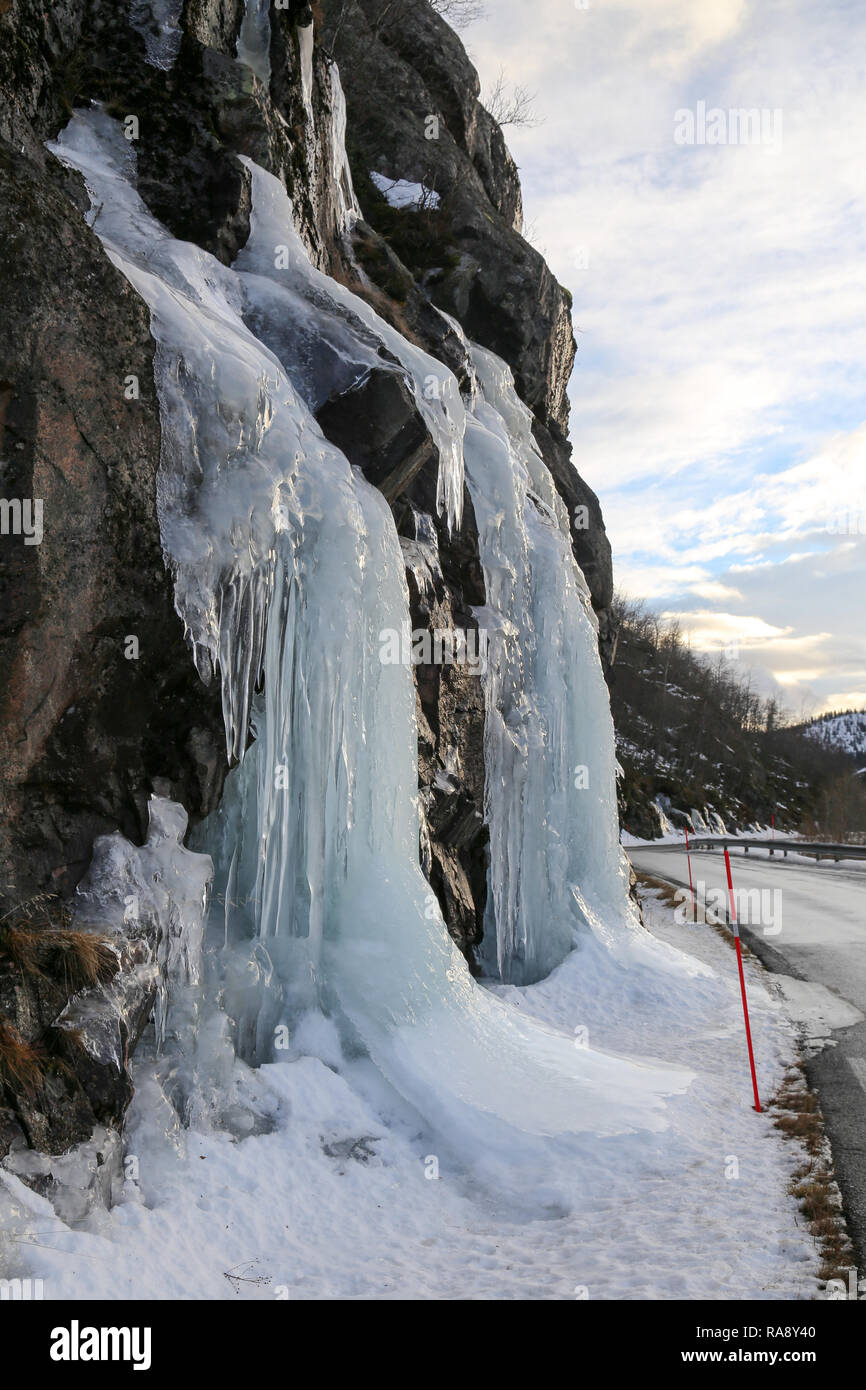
x=460 y=13
x=511 y=105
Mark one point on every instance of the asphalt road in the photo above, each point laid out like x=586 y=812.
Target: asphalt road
x=807 y=921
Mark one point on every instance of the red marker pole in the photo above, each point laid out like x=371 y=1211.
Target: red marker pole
x=691 y=884
x=742 y=979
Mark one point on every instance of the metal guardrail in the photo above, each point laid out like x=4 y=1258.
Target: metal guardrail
x=809 y=848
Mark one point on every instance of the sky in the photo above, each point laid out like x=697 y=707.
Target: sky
x=719 y=392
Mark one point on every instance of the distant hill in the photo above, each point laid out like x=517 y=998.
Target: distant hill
x=845 y=731
x=698 y=746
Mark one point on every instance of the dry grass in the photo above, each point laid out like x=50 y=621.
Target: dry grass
x=384 y=304
x=797 y=1115
x=75 y=960
x=40 y=947
x=20 y=1063
x=696 y=914
x=666 y=891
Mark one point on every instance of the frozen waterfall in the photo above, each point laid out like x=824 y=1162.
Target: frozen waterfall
x=550 y=796
x=287 y=566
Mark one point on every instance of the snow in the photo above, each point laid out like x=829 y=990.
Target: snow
x=815 y=1010
x=334 y=1202
x=845 y=732
x=401 y=193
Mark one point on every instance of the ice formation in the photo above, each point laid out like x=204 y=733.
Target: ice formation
x=287 y=567
x=151 y=904
x=158 y=22
x=254 y=39
x=550 y=795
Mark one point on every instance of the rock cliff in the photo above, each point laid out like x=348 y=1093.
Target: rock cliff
x=101 y=705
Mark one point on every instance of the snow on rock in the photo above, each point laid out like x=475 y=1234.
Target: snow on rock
x=401 y=193
x=845 y=732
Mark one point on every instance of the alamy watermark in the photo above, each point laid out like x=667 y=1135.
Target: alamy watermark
x=736 y=126
x=22 y=517
x=449 y=646
x=756 y=907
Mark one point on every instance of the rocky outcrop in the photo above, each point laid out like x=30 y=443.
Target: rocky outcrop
x=377 y=425
x=467 y=254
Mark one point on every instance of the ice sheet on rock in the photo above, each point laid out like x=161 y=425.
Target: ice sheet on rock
x=326 y=337
x=348 y=210
x=254 y=39
x=233 y=477
x=152 y=901
x=85 y=1178
x=158 y=22
x=550 y=795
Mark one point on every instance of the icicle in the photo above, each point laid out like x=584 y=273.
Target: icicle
x=348 y=210
x=305 y=56
x=254 y=39
x=421 y=556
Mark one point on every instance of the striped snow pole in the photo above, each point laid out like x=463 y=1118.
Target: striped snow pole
x=742 y=978
x=691 y=884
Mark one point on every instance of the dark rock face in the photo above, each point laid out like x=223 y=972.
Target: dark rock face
x=445 y=582
x=379 y=428
x=96 y=693
x=98 y=698
x=74 y=1091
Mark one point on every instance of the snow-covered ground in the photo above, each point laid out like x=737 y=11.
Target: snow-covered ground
x=341 y=1199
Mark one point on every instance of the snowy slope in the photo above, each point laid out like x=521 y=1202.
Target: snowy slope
x=845 y=732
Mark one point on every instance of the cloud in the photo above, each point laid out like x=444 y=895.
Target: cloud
x=719 y=302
